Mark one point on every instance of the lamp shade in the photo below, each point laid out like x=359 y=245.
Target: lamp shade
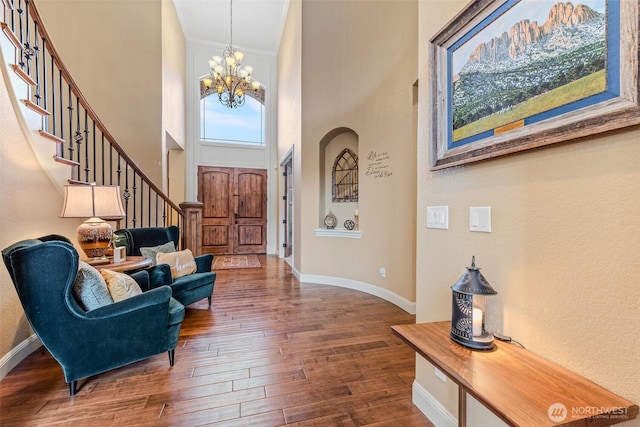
x=89 y=201
x=93 y=202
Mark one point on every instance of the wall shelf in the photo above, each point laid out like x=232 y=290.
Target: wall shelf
x=338 y=232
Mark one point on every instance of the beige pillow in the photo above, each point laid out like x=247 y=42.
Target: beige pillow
x=121 y=286
x=181 y=263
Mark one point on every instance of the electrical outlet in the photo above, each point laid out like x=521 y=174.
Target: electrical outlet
x=383 y=272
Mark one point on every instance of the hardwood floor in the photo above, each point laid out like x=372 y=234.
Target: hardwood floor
x=271 y=351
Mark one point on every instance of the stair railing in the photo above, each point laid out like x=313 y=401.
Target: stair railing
x=82 y=140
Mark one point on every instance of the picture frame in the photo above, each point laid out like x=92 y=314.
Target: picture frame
x=480 y=109
x=119 y=254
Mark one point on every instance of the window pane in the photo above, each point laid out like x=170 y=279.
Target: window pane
x=222 y=124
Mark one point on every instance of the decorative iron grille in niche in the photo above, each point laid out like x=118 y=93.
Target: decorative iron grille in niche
x=344 y=176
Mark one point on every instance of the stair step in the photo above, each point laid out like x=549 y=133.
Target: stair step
x=23 y=75
x=51 y=137
x=15 y=41
x=65 y=161
x=35 y=107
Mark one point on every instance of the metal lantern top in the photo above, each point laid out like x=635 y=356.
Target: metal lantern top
x=472 y=282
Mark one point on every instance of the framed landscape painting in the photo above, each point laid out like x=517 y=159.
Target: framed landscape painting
x=511 y=75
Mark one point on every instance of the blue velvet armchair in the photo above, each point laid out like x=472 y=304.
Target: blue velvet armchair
x=87 y=343
x=187 y=289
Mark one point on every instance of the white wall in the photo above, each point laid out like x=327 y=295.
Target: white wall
x=215 y=154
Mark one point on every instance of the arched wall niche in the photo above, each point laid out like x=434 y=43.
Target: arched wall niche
x=331 y=145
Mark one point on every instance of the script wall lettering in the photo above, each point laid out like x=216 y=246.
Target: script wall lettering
x=378 y=165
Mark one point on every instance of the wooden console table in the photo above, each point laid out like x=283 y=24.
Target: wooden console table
x=519 y=387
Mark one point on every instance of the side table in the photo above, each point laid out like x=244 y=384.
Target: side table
x=128 y=264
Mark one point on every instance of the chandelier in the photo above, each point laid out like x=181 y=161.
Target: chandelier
x=229 y=78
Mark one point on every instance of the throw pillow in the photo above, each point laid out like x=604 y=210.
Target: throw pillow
x=89 y=288
x=182 y=263
x=121 y=286
x=152 y=252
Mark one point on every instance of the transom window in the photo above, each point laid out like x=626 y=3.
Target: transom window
x=242 y=125
x=345 y=177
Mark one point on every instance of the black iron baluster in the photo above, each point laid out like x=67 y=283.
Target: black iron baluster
x=61 y=93
x=27 y=49
x=95 y=166
x=19 y=10
x=157 y=208
x=87 y=169
x=44 y=84
x=77 y=135
x=36 y=49
x=164 y=214
x=134 y=220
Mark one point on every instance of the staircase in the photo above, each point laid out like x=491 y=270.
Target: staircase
x=71 y=142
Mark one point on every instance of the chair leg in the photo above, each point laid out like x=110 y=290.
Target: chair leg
x=209 y=298
x=72 y=388
x=171 y=356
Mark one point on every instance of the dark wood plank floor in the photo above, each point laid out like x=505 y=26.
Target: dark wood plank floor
x=271 y=351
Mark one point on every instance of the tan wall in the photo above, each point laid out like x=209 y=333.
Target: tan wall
x=348 y=83
x=289 y=111
x=174 y=54
x=126 y=89
x=29 y=207
x=563 y=254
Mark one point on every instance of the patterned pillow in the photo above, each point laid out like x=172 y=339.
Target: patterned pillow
x=89 y=288
x=151 y=252
x=181 y=263
x=121 y=286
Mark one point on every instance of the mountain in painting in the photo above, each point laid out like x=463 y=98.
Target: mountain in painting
x=528 y=60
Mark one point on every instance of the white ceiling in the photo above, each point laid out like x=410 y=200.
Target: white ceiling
x=257 y=24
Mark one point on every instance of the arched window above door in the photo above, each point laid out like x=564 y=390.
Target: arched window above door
x=242 y=125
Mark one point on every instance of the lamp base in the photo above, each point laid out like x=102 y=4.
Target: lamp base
x=94 y=237
x=482 y=342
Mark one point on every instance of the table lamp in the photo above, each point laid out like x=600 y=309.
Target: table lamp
x=94 y=202
x=468 y=309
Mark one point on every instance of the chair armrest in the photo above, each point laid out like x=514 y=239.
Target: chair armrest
x=142 y=279
x=203 y=263
x=159 y=275
x=153 y=297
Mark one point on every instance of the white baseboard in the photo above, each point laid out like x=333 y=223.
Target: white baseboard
x=431 y=408
x=406 y=305
x=17 y=354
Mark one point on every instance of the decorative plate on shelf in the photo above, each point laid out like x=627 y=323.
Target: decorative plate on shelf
x=349 y=225
x=330 y=220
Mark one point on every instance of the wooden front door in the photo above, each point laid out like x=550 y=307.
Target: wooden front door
x=235 y=210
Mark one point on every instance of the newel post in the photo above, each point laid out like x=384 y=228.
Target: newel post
x=192 y=233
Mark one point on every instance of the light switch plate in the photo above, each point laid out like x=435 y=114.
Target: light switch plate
x=438 y=217
x=480 y=219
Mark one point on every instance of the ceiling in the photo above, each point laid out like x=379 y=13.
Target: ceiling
x=257 y=24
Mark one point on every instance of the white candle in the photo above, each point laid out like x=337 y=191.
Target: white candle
x=355 y=213
x=477 y=322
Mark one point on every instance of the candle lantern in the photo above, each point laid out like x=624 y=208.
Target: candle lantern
x=469 y=308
